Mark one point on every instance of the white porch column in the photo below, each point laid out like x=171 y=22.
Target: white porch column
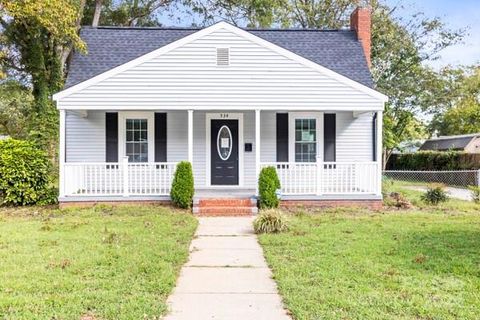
x=379 y=150
x=61 y=181
x=126 y=181
x=257 y=142
x=190 y=136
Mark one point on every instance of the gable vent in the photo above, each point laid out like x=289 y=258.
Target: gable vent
x=223 y=57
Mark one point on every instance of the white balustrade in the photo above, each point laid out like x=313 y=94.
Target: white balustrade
x=118 y=178
x=327 y=178
x=149 y=179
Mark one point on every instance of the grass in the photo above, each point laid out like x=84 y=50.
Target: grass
x=98 y=263
x=452 y=205
x=355 y=264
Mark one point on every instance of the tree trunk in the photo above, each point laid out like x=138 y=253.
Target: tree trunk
x=386 y=156
x=96 y=14
x=65 y=52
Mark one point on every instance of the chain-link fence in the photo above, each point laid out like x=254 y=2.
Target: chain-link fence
x=458 y=178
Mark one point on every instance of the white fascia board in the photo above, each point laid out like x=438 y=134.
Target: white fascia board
x=221 y=25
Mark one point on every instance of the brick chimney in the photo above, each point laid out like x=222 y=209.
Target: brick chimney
x=361 y=22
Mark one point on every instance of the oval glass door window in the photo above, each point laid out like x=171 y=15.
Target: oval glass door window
x=224 y=143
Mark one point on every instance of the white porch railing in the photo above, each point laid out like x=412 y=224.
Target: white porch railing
x=324 y=178
x=118 y=178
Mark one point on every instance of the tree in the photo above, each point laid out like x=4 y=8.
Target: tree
x=464 y=115
x=400 y=49
x=16 y=103
x=36 y=36
x=126 y=13
x=331 y=14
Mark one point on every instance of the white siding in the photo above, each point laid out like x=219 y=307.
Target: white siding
x=85 y=140
x=354 y=137
x=177 y=136
x=189 y=77
x=268 y=135
x=85 y=137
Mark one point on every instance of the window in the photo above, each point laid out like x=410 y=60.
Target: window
x=136 y=142
x=305 y=140
x=224 y=143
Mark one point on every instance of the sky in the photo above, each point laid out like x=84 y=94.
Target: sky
x=457 y=14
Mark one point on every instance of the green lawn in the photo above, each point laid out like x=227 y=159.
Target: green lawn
x=103 y=262
x=453 y=205
x=353 y=264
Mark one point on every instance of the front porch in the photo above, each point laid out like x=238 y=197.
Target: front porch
x=310 y=165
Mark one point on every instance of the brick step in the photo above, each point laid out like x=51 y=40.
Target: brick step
x=225 y=211
x=226 y=203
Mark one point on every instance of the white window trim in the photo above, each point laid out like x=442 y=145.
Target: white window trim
x=224 y=116
x=122 y=134
x=292 y=116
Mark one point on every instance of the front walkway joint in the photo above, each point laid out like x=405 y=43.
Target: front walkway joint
x=226 y=276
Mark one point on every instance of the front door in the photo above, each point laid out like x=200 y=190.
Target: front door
x=224 y=152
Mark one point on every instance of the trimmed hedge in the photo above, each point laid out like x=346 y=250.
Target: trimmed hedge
x=24 y=174
x=182 y=185
x=268 y=184
x=434 y=160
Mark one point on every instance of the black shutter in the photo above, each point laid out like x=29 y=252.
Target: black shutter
x=374 y=137
x=160 y=137
x=282 y=137
x=111 y=136
x=329 y=134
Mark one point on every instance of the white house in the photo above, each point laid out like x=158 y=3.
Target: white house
x=230 y=101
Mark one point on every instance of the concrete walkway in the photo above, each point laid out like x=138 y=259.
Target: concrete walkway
x=226 y=276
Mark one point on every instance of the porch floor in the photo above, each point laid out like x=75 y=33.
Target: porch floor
x=220 y=193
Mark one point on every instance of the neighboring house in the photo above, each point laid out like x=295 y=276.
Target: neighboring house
x=469 y=143
x=230 y=101
x=409 y=146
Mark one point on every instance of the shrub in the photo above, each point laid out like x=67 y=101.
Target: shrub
x=435 y=194
x=475 y=193
x=270 y=221
x=268 y=184
x=182 y=185
x=434 y=160
x=24 y=174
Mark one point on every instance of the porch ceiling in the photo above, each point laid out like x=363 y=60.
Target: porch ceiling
x=325 y=108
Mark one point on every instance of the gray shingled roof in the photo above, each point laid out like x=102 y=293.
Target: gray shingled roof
x=448 y=143
x=109 y=47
